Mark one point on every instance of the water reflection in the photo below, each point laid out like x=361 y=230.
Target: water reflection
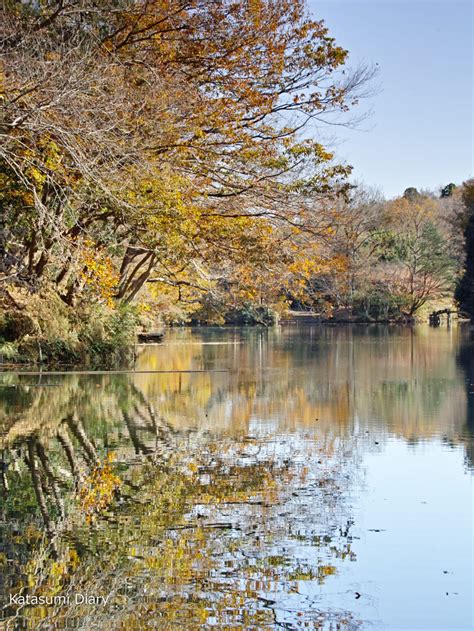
x=223 y=499
x=400 y=380
x=465 y=359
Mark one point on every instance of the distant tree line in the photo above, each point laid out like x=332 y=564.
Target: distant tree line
x=376 y=259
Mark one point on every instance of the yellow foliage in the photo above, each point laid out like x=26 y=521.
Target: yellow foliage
x=98 y=489
x=99 y=273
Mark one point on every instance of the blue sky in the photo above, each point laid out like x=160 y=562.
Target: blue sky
x=421 y=130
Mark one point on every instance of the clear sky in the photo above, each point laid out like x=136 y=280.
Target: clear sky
x=421 y=130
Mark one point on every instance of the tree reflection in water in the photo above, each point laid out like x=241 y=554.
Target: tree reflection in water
x=465 y=360
x=183 y=529
x=227 y=503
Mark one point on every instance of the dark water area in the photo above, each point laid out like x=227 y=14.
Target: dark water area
x=295 y=478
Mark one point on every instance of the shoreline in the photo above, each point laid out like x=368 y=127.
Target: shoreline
x=62 y=368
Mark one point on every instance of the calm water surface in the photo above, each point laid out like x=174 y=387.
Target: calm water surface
x=294 y=478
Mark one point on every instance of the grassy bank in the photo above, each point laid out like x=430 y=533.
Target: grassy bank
x=41 y=328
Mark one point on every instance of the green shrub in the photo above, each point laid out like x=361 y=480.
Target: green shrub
x=377 y=303
x=42 y=328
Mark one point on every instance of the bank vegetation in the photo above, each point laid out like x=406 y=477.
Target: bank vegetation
x=161 y=162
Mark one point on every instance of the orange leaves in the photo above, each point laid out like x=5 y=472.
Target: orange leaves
x=171 y=130
x=405 y=213
x=306 y=267
x=98 y=273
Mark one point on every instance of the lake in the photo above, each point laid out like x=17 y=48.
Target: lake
x=310 y=477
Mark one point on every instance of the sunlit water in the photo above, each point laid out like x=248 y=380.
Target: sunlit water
x=312 y=477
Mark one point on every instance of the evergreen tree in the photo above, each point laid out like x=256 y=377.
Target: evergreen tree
x=447 y=190
x=411 y=193
x=465 y=290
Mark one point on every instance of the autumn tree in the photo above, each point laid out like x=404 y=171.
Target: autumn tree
x=158 y=132
x=388 y=259
x=420 y=263
x=356 y=220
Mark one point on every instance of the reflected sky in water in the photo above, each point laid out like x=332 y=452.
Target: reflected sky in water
x=325 y=471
